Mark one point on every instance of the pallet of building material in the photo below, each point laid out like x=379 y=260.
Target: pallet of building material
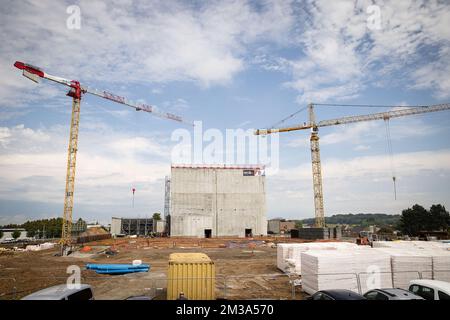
x=282 y=255
x=331 y=269
x=373 y=269
x=357 y=270
x=293 y=252
x=440 y=264
x=412 y=244
x=39 y=247
x=431 y=245
x=408 y=264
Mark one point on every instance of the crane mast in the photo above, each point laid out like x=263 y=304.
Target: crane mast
x=315 y=148
x=70 y=175
x=316 y=170
x=76 y=91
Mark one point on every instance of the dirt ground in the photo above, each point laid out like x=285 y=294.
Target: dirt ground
x=244 y=269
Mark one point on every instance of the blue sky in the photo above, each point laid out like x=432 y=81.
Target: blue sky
x=230 y=64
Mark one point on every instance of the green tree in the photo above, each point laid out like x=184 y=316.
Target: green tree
x=16 y=234
x=31 y=233
x=386 y=230
x=416 y=219
x=413 y=220
x=439 y=218
x=157 y=216
x=52 y=227
x=298 y=224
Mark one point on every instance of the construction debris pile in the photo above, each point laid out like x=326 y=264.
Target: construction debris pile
x=340 y=265
x=39 y=247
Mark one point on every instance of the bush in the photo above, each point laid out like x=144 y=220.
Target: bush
x=16 y=234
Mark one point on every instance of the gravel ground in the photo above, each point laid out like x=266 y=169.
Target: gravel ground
x=241 y=273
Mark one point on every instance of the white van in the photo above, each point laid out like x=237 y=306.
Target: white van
x=430 y=289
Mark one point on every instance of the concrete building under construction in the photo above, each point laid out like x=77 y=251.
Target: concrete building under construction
x=136 y=226
x=215 y=201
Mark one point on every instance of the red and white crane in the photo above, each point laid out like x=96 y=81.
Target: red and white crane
x=76 y=92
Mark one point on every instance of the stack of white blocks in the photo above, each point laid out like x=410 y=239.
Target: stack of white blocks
x=441 y=265
x=426 y=253
x=289 y=255
x=339 y=269
x=407 y=264
x=323 y=270
x=334 y=265
x=412 y=244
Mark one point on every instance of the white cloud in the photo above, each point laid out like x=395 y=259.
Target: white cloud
x=362 y=184
x=407 y=164
x=147 y=42
x=9 y=137
x=371 y=132
x=33 y=169
x=342 y=56
x=176 y=105
x=435 y=75
x=361 y=147
x=141 y=145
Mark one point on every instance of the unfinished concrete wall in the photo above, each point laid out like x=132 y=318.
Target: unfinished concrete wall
x=226 y=201
x=273 y=226
x=116 y=226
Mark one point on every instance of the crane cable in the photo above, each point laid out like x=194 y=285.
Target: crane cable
x=133 y=185
x=126 y=121
x=365 y=105
x=390 y=154
x=289 y=117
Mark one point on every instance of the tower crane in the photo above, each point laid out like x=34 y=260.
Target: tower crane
x=314 y=142
x=76 y=91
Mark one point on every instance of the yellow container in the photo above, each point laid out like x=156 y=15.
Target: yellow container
x=193 y=274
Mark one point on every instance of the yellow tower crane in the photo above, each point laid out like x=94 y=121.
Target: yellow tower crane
x=76 y=91
x=314 y=142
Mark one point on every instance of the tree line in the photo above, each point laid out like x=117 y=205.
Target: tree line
x=360 y=219
x=418 y=219
x=48 y=228
x=412 y=221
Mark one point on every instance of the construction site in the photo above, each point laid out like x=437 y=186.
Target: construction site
x=213 y=242
x=196 y=190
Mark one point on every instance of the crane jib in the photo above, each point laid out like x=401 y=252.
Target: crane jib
x=113 y=97
x=144 y=107
x=174 y=117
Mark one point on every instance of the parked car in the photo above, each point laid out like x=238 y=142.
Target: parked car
x=391 y=294
x=140 y=298
x=336 y=294
x=62 y=292
x=430 y=289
